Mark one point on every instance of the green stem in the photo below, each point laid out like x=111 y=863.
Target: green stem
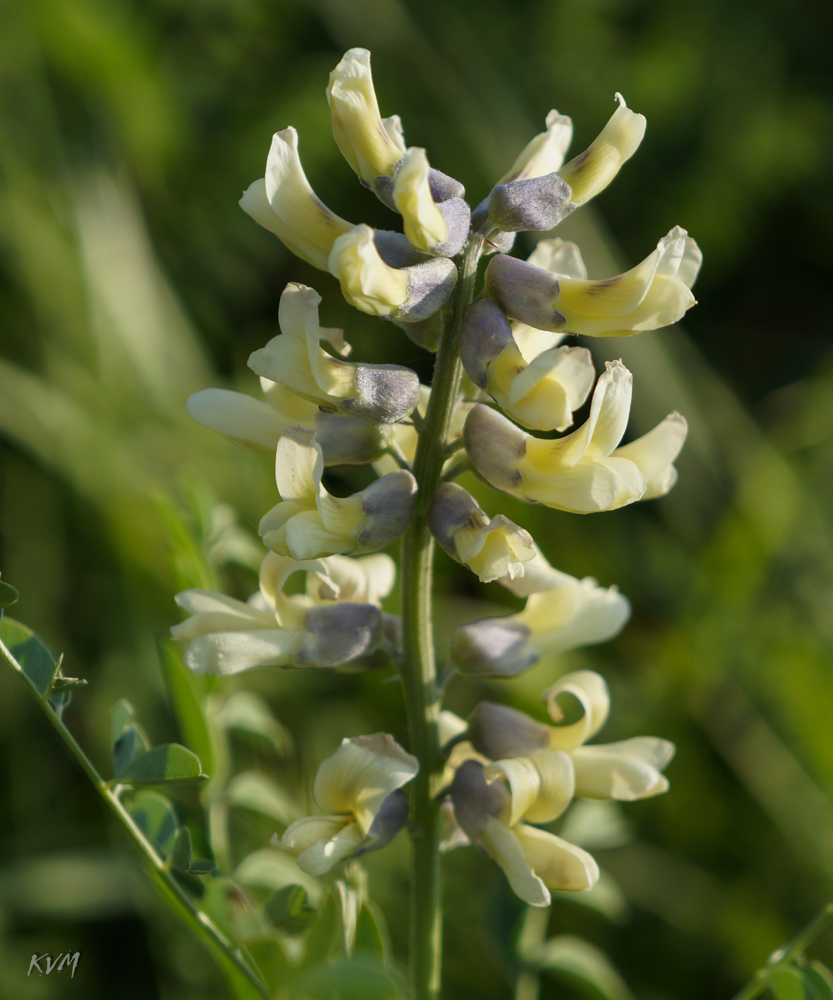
x=229 y=955
x=785 y=955
x=419 y=673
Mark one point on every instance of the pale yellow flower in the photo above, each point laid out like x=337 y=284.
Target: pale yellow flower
x=358 y=787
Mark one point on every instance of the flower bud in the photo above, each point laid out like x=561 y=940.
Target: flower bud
x=391 y=818
x=653 y=294
x=490 y=648
x=284 y=203
x=339 y=634
x=475 y=799
x=490 y=548
x=387 y=507
x=437 y=228
x=591 y=171
x=583 y=471
x=385 y=393
x=370 y=145
x=537 y=203
x=499 y=731
x=368 y=283
x=348 y=440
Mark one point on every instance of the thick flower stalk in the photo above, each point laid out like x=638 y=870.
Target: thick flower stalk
x=502 y=371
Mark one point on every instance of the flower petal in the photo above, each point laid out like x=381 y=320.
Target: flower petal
x=559 y=864
x=227 y=653
x=541 y=785
x=505 y=847
x=359 y=776
x=627 y=770
x=591 y=691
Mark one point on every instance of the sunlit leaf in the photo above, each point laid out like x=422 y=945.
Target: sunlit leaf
x=247 y=713
x=359 y=978
x=271 y=869
x=788 y=983
x=254 y=790
x=577 y=962
x=132 y=743
x=156 y=818
x=164 y=763
x=372 y=932
x=8 y=594
x=289 y=910
x=182 y=690
x=34 y=658
x=822 y=979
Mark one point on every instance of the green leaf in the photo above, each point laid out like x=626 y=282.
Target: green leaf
x=156 y=818
x=348 y=912
x=324 y=939
x=254 y=790
x=577 y=962
x=787 y=983
x=34 y=658
x=8 y=595
x=201 y=866
x=181 y=857
x=167 y=762
x=182 y=685
x=271 y=869
x=289 y=910
x=248 y=713
x=231 y=910
x=372 y=933
x=822 y=979
x=359 y=978
x=121 y=716
x=132 y=743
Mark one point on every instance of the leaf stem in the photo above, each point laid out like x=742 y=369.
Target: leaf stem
x=783 y=956
x=228 y=954
x=419 y=671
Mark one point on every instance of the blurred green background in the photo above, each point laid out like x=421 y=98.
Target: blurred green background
x=130 y=278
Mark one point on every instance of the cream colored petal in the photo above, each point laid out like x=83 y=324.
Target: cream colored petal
x=367 y=282
x=532 y=342
x=305 y=537
x=422 y=221
x=227 y=653
x=241 y=418
x=450 y=725
x=361 y=774
x=272 y=527
x=505 y=847
x=628 y=770
x=654 y=452
x=341 y=515
x=494 y=550
x=680 y=257
x=580 y=613
x=371 y=147
x=545 y=153
x=298 y=319
x=559 y=256
x=591 y=171
x=555 y=384
x=322 y=856
x=304 y=833
x=366 y=580
x=591 y=691
x=541 y=785
x=584 y=488
x=212 y=612
x=538 y=576
x=299 y=465
x=559 y=864
x=609 y=410
x=276 y=569
x=300 y=219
